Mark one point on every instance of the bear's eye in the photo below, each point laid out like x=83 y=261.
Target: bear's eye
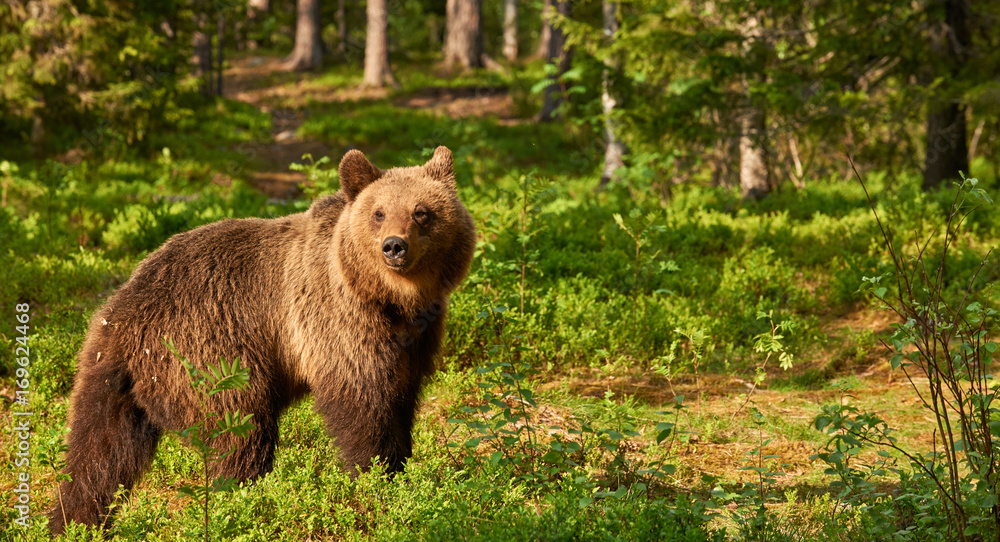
x=421 y=215
x=379 y=216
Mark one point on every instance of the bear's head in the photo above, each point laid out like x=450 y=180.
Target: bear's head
x=403 y=237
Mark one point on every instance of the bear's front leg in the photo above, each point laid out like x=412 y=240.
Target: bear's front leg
x=369 y=424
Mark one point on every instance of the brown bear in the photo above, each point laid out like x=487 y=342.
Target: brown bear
x=346 y=300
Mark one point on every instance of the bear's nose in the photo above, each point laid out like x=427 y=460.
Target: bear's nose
x=394 y=248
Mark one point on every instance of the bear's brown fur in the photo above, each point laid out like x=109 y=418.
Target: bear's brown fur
x=346 y=301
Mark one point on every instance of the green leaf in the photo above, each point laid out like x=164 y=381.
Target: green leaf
x=995 y=428
x=615 y=436
x=552 y=456
x=574 y=74
x=127 y=51
x=620 y=222
x=664 y=430
x=188 y=491
x=896 y=360
x=540 y=86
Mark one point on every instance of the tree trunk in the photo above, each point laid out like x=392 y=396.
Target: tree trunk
x=559 y=55
x=308 y=51
x=342 y=28
x=546 y=34
x=201 y=41
x=726 y=155
x=463 y=43
x=754 y=172
x=377 y=70
x=510 y=30
x=946 y=152
x=37 y=136
x=614 y=148
x=976 y=134
x=221 y=40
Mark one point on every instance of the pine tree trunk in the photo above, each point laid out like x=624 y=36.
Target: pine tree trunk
x=510 y=30
x=559 y=55
x=377 y=70
x=546 y=34
x=201 y=41
x=463 y=43
x=614 y=148
x=220 y=43
x=725 y=157
x=754 y=172
x=308 y=51
x=342 y=28
x=946 y=152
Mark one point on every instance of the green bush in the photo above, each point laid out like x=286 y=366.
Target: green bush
x=944 y=344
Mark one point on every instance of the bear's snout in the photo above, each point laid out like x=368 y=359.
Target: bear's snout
x=394 y=248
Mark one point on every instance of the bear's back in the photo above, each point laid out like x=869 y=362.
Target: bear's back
x=219 y=262
x=241 y=261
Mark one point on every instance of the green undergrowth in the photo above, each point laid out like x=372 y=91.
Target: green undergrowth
x=659 y=294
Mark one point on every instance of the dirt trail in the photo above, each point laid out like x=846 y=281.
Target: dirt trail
x=261 y=82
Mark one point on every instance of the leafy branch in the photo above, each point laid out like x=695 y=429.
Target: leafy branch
x=207 y=383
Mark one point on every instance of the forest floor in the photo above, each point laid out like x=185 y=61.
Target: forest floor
x=286 y=96
x=716 y=443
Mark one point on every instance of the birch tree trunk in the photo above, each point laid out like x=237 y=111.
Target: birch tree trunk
x=614 y=148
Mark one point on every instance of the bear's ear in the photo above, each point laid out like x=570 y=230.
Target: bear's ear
x=356 y=172
x=439 y=167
